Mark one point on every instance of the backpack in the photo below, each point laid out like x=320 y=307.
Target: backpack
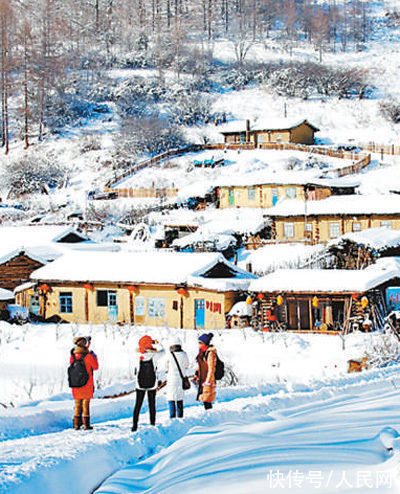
x=219 y=368
x=78 y=375
x=147 y=374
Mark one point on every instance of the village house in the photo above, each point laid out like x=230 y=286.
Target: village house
x=357 y=250
x=325 y=300
x=26 y=248
x=321 y=221
x=182 y=290
x=258 y=191
x=278 y=130
x=6 y=298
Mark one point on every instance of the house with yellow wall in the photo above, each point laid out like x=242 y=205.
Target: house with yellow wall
x=182 y=290
x=264 y=131
x=322 y=221
x=255 y=191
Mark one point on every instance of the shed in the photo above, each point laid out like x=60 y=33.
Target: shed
x=324 y=299
x=264 y=131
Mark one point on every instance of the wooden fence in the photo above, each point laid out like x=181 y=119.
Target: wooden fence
x=360 y=161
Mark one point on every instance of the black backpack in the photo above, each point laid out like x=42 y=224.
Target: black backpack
x=147 y=374
x=219 y=368
x=78 y=375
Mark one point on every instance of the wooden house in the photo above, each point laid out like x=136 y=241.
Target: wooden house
x=257 y=192
x=323 y=300
x=280 y=130
x=321 y=221
x=28 y=248
x=182 y=290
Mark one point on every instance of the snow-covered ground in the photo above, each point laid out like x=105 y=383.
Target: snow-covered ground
x=295 y=408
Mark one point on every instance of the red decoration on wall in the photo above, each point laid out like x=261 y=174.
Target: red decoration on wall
x=260 y=296
x=183 y=292
x=132 y=289
x=88 y=287
x=44 y=288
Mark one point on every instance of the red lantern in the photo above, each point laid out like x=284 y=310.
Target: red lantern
x=354 y=296
x=132 y=289
x=249 y=300
x=315 y=302
x=260 y=296
x=279 y=300
x=44 y=288
x=88 y=287
x=183 y=292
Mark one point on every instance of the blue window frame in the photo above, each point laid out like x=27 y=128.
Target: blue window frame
x=66 y=302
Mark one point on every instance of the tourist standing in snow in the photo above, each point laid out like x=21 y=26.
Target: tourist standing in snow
x=205 y=373
x=83 y=394
x=177 y=365
x=148 y=358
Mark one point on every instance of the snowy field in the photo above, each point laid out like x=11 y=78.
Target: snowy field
x=295 y=409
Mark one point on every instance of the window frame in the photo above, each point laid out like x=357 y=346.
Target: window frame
x=65 y=301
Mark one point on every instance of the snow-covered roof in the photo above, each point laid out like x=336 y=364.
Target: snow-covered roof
x=222 y=241
x=333 y=205
x=6 y=294
x=39 y=242
x=227 y=221
x=265 y=124
x=139 y=267
x=264 y=177
x=375 y=238
x=24 y=286
x=323 y=280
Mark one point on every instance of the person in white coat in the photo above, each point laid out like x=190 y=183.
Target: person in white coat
x=174 y=387
x=146 y=371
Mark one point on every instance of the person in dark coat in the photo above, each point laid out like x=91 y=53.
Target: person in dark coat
x=148 y=358
x=205 y=373
x=83 y=395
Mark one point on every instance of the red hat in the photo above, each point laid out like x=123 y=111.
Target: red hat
x=145 y=343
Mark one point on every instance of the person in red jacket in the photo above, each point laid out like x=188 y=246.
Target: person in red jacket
x=83 y=395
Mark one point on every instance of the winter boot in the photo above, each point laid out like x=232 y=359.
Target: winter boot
x=86 y=423
x=77 y=422
x=134 y=428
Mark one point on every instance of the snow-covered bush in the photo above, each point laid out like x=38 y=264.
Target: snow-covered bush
x=34 y=172
x=383 y=351
x=390 y=109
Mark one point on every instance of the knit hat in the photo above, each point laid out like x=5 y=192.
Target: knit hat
x=206 y=338
x=145 y=343
x=81 y=341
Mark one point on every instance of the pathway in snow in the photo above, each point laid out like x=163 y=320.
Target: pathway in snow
x=47 y=461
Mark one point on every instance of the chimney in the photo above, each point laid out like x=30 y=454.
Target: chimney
x=247 y=130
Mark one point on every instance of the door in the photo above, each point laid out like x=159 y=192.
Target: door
x=292 y=314
x=274 y=196
x=112 y=307
x=304 y=314
x=34 y=305
x=200 y=314
x=231 y=197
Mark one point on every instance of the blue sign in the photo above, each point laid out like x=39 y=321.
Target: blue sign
x=393 y=298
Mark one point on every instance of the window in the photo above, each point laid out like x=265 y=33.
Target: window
x=334 y=230
x=260 y=138
x=139 y=306
x=66 y=302
x=174 y=305
x=291 y=192
x=386 y=223
x=106 y=298
x=156 y=307
x=357 y=226
x=251 y=194
x=288 y=230
x=308 y=227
